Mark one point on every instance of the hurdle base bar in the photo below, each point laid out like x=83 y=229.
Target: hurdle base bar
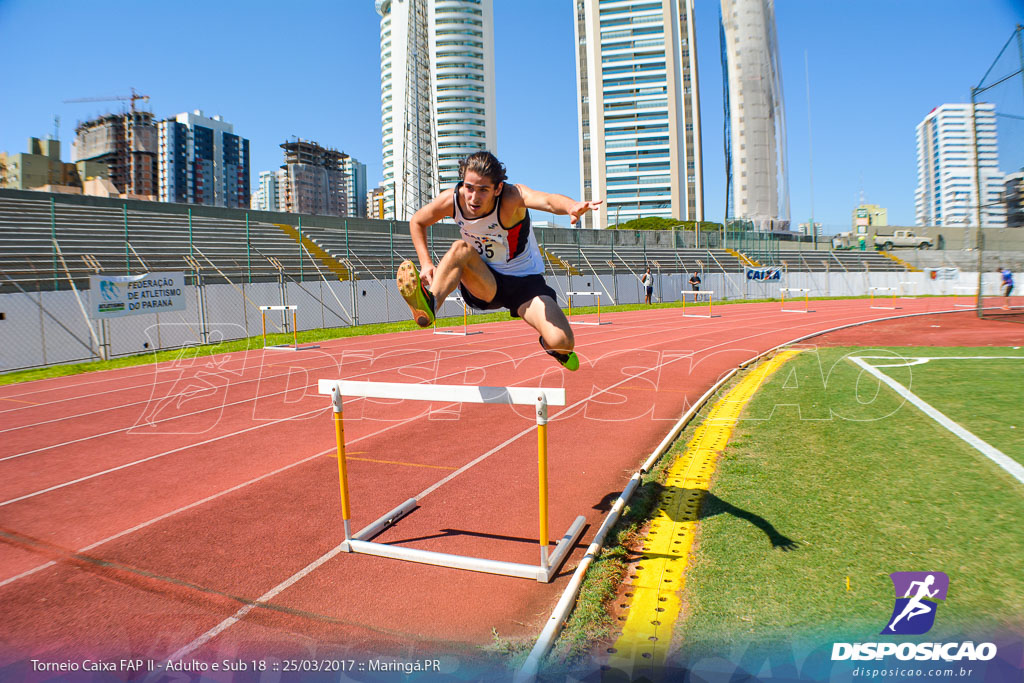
x=805 y=309
x=464 y=332
x=871 y=292
x=458 y=333
x=540 y=573
x=586 y=322
x=696 y=295
x=289 y=347
x=962 y=291
x=388 y=519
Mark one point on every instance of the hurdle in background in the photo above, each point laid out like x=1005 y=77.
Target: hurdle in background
x=539 y=397
x=962 y=291
x=570 y=295
x=696 y=295
x=908 y=290
x=880 y=290
x=295 y=329
x=798 y=290
x=464 y=332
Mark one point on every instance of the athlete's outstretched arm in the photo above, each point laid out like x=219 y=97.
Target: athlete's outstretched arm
x=438 y=209
x=556 y=203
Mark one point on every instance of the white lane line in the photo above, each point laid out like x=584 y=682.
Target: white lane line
x=269 y=595
x=197 y=503
x=159 y=455
x=994 y=454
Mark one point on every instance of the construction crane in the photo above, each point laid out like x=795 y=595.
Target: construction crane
x=129 y=128
x=123 y=98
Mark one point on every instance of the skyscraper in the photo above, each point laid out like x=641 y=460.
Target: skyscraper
x=202 y=161
x=437 y=94
x=946 y=191
x=462 y=73
x=639 y=107
x=355 y=186
x=757 y=182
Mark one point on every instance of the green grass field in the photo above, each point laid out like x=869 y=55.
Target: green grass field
x=865 y=485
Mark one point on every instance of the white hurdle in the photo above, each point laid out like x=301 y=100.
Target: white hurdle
x=882 y=291
x=964 y=291
x=798 y=291
x=541 y=398
x=570 y=295
x=908 y=290
x=464 y=332
x=710 y=294
x=295 y=330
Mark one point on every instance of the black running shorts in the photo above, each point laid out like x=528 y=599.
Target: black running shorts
x=513 y=292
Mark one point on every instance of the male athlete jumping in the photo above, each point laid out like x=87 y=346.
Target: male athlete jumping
x=497 y=263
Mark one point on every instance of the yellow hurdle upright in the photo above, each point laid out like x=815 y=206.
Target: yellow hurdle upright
x=570 y=295
x=295 y=329
x=539 y=397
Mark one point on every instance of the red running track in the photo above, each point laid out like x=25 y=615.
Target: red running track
x=144 y=511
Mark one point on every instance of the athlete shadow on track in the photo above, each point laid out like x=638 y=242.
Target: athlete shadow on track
x=704 y=505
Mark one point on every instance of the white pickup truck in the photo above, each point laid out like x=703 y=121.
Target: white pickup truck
x=902 y=238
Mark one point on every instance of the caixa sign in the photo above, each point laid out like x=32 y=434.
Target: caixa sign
x=770 y=273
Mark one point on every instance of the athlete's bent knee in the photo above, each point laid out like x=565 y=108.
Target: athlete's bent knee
x=560 y=340
x=461 y=251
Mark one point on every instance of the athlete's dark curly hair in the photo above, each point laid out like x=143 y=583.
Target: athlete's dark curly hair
x=484 y=163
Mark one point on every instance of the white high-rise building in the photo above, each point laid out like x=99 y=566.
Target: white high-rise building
x=437 y=94
x=757 y=179
x=639 y=107
x=355 y=186
x=270 y=195
x=946 y=164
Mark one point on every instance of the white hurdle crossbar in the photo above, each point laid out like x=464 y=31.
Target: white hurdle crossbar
x=570 y=295
x=464 y=332
x=962 y=291
x=882 y=291
x=295 y=330
x=710 y=294
x=798 y=290
x=541 y=398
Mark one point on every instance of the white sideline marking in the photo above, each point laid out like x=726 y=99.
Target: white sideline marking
x=997 y=456
x=921 y=360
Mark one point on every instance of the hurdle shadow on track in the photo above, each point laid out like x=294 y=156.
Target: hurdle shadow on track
x=451 y=533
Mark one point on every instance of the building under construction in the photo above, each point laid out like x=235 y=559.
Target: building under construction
x=127 y=145
x=316 y=179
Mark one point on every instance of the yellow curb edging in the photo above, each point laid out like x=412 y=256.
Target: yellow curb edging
x=657 y=578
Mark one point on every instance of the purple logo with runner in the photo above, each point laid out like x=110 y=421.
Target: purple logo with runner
x=917 y=596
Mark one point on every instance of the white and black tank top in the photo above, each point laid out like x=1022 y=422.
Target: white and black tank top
x=512 y=251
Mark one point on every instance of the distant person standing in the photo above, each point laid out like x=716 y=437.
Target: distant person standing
x=1007 y=285
x=695 y=282
x=648 y=282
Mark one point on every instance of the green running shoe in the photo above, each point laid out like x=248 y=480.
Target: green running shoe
x=419 y=298
x=570 y=361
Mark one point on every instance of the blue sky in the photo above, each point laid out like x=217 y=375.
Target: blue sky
x=876 y=67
